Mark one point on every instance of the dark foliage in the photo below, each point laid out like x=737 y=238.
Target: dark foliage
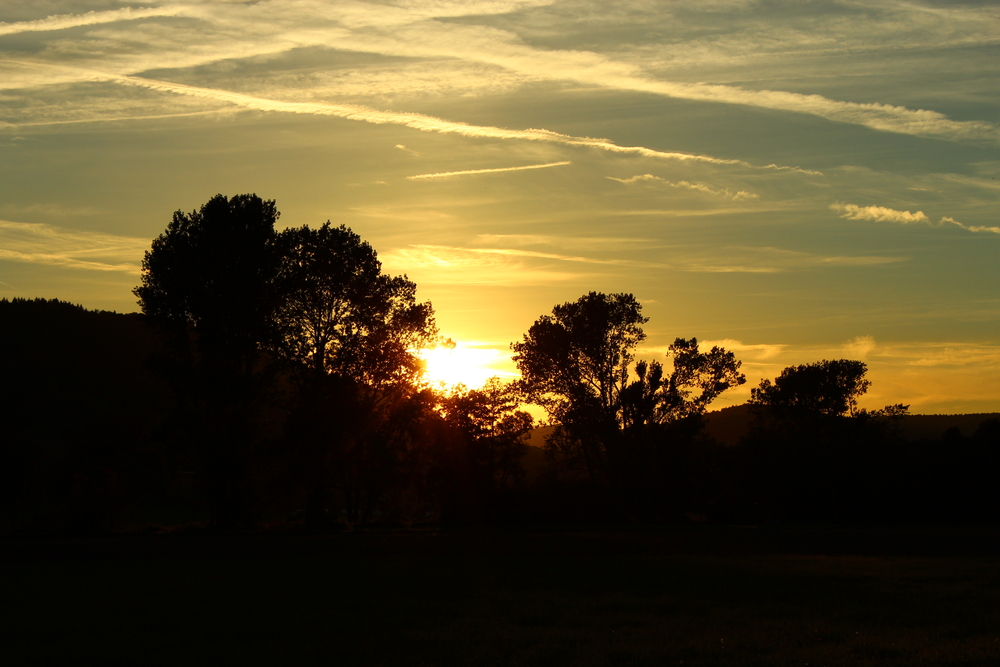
x=79 y=410
x=273 y=377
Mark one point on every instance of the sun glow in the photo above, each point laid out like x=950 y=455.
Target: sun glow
x=467 y=365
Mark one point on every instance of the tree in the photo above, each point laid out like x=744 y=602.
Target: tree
x=348 y=334
x=338 y=314
x=207 y=282
x=696 y=379
x=829 y=388
x=575 y=363
x=812 y=451
x=492 y=428
x=210 y=274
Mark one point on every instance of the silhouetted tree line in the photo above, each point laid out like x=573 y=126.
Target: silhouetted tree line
x=273 y=377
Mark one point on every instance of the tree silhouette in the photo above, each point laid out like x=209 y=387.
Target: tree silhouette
x=348 y=333
x=575 y=363
x=207 y=282
x=696 y=379
x=338 y=314
x=811 y=451
x=210 y=273
x=485 y=447
x=629 y=436
x=830 y=388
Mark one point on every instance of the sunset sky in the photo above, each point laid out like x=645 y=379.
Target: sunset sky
x=792 y=180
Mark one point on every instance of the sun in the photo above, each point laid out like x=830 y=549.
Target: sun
x=467 y=365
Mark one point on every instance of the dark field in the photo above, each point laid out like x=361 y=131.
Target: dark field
x=692 y=596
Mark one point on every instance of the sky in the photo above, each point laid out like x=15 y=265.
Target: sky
x=794 y=181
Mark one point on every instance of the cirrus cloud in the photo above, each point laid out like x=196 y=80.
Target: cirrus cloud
x=878 y=214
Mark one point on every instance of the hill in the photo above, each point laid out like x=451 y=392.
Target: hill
x=728 y=425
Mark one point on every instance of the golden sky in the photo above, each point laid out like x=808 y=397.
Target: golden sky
x=797 y=181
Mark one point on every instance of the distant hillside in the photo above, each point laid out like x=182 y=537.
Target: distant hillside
x=70 y=372
x=728 y=425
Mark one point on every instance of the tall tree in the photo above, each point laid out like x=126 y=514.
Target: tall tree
x=488 y=432
x=338 y=313
x=830 y=388
x=811 y=450
x=208 y=282
x=696 y=379
x=575 y=363
x=211 y=273
x=349 y=333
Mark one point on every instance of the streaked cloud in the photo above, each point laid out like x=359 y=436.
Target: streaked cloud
x=970 y=228
x=244 y=30
x=698 y=187
x=507 y=252
x=419 y=121
x=64 y=21
x=38 y=243
x=601 y=243
x=878 y=214
x=407 y=150
x=434 y=265
x=497 y=170
x=885 y=214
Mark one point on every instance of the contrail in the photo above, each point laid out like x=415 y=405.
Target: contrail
x=446 y=174
x=420 y=121
x=64 y=21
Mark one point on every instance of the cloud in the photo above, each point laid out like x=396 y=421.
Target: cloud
x=418 y=121
x=37 y=243
x=758 y=351
x=699 y=187
x=230 y=31
x=64 y=21
x=636 y=179
x=601 y=243
x=884 y=214
x=467 y=172
x=407 y=150
x=435 y=265
x=118 y=119
x=859 y=347
x=970 y=228
x=507 y=252
x=878 y=214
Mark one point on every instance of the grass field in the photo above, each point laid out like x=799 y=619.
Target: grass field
x=706 y=596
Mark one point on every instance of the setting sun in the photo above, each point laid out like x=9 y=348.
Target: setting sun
x=470 y=366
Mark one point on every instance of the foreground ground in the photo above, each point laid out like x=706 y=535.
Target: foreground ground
x=691 y=596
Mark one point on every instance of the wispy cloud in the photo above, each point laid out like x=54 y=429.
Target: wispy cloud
x=757 y=351
x=407 y=150
x=468 y=172
x=48 y=244
x=638 y=178
x=884 y=214
x=429 y=264
x=698 y=187
x=64 y=21
x=228 y=31
x=859 y=347
x=601 y=243
x=970 y=228
x=416 y=121
x=508 y=252
x=879 y=214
